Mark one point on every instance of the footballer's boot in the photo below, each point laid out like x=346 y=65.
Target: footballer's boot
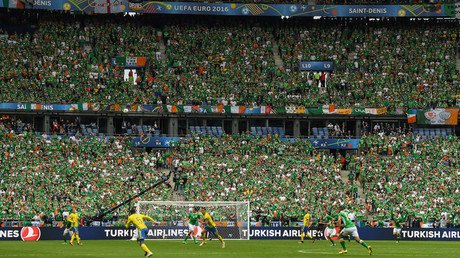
x=369 y=250
x=343 y=251
x=223 y=245
x=148 y=255
x=203 y=243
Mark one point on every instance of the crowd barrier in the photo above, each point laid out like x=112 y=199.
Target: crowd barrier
x=267 y=233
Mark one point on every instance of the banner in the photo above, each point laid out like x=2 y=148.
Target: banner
x=376 y=111
x=136 y=5
x=167 y=142
x=130 y=62
x=291 y=10
x=16 y=4
x=255 y=233
x=236 y=9
x=343 y=144
x=108 y=6
x=438 y=116
x=441 y=116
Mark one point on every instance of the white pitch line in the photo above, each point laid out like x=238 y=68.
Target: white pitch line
x=312 y=252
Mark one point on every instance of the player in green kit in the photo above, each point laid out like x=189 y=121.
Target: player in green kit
x=330 y=228
x=349 y=229
x=397 y=221
x=67 y=230
x=193 y=225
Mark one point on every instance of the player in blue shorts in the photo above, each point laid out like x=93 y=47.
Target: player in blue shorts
x=138 y=221
x=210 y=226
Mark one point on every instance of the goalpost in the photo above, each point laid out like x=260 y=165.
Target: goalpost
x=232 y=218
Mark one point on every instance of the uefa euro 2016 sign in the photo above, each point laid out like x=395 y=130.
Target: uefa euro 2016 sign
x=242 y=9
x=321 y=66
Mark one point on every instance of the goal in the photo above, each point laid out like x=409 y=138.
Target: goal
x=232 y=218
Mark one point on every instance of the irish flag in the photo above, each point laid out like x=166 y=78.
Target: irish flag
x=411 y=116
x=17 y=4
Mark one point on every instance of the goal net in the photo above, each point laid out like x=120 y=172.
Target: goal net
x=231 y=218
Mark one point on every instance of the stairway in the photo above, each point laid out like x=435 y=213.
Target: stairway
x=162 y=45
x=344 y=175
x=278 y=61
x=345 y=179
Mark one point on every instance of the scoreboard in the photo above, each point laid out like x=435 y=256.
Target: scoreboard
x=322 y=66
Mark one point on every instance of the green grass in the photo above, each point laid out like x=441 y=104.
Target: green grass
x=236 y=249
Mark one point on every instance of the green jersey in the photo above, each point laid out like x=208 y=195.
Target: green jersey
x=68 y=224
x=193 y=219
x=345 y=220
x=330 y=221
x=398 y=222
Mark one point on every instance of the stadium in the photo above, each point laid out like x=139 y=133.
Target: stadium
x=254 y=128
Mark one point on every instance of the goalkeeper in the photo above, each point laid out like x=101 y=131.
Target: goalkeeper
x=138 y=221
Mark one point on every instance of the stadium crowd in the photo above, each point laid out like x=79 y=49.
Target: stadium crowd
x=67 y=59
x=375 y=64
x=63 y=58
x=42 y=176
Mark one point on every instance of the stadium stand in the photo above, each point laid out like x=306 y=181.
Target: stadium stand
x=206 y=130
x=45 y=65
x=264 y=131
x=96 y=172
x=433 y=132
x=50 y=57
x=266 y=171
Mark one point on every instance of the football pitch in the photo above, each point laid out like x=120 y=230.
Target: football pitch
x=236 y=249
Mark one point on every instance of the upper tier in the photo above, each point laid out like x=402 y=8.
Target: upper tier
x=58 y=58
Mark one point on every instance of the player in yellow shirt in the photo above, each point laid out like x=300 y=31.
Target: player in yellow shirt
x=306 y=226
x=138 y=221
x=209 y=226
x=74 y=222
